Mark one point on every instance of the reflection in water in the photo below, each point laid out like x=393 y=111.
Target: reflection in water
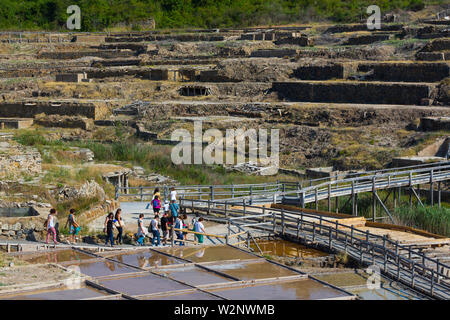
x=295 y=290
x=111 y=265
x=54 y=256
x=253 y=270
x=283 y=248
x=146 y=259
x=205 y=254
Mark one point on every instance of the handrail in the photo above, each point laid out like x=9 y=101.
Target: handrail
x=264 y=190
x=294 y=214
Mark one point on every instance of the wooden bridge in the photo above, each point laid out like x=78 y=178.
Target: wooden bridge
x=404 y=262
x=395 y=181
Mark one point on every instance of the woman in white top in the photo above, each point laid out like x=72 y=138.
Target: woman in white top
x=173 y=194
x=51 y=225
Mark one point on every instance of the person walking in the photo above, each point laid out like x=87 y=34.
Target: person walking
x=74 y=227
x=164 y=227
x=140 y=235
x=154 y=226
x=156 y=204
x=179 y=233
x=119 y=224
x=174 y=209
x=199 y=227
x=50 y=225
x=109 y=229
x=173 y=194
x=155 y=193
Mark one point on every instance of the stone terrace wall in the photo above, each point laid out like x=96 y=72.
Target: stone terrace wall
x=326 y=72
x=107 y=54
x=408 y=72
x=353 y=92
x=25 y=110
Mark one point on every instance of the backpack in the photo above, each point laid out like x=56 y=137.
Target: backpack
x=155 y=203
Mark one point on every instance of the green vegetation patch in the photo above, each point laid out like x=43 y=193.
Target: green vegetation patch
x=100 y=14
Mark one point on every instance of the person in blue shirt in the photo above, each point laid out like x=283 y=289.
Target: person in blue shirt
x=174 y=209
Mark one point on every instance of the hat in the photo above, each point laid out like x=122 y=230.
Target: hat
x=167 y=201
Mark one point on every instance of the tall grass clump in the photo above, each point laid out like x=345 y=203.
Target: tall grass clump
x=432 y=219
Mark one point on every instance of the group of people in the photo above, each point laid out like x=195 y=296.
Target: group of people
x=51 y=225
x=159 y=228
x=170 y=219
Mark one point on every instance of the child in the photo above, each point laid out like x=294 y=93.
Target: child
x=198 y=227
x=50 y=224
x=156 y=203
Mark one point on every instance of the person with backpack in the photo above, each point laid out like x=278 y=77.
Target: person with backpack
x=50 y=225
x=156 y=204
x=199 y=227
x=74 y=228
x=140 y=235
x=154 y=226
x=109 y=229
x=155 y=193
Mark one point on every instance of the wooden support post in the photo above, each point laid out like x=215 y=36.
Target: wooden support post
x=314 y=232
x=356 y=204
x=226 y=208
x=329 y=238
x=410 y=189
x=353 y=198
x=301 y=221
x=351 y=234
x=439 y=194
x=432 y=282
x=316 y=191
x=329 y=197
x=274 y=221
x=431 y=188
x=141 y=192
x=374 y=200
x=282 y=221
x=337 y=226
